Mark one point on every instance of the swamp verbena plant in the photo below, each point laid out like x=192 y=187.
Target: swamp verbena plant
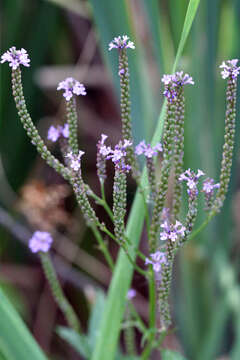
x=169 y=228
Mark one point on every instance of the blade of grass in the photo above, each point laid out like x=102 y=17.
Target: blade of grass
x=114 y=307
x=190 y=15
x=15 y=339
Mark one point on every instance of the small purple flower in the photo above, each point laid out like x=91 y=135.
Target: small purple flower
x=16 y=58
x=103 y=149
x=208 y=190
x=169 y=91
x=156 y=260
x=172 y=232
x=65 y=131
x=209 y=186
x=54 y=133
x=131 y=294
x=167 y=79
x=230 y=69
x=118 y=154
x=140 y=148
x=171 y=83
x=181 y=79
x=121 y=42
x=40 y=241
x=75 y=163
x=192 y=180
x=121 y=72
x=148 y=150
x=71 y=86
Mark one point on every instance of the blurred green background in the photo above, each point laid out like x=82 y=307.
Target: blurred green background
x=64 y=37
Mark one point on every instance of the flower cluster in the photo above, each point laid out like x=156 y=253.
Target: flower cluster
x=172 y=82
x=75 y=160
x=121 y=42
x=16 y=58
x=117 y=155
x=148 y=150
x=192 y=180
x=230 y=69
x=40 y=241
x=208 y=190
x=54 y=133
x=172 y=232
x=181 y=79
x=157 y=260
x=71 y=86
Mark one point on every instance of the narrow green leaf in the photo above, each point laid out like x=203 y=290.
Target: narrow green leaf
x=171 y=355
x=190 y=15
x=16 y=342
x=95 y=318
x=191 y=12
x=79 y=342
x=114 y=307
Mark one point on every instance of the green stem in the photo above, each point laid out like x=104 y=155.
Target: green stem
x=202 y=226
x=137 y=317
x=152 y=317
x=102 y=202
x=57 y=291
x=102 y=246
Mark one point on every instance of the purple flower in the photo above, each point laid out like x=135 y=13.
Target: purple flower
x=156 y=260
x=173 y=81
x=209 y=186
x=16 y=58
x=192 y=180
x=40 y=241
x=140 y=148
x=148 y=150
x=75 y=160
x=169 y=91
x=117 y=155
x=180 y=79
x=208 y=190
x=55 y=132
x=172 y=232
x=121 y=72
x=65 y=131
x=167 y=79
x=230 y=69
x=71 y=86
x=103 y=149
x=121 y=42
x=131 y=294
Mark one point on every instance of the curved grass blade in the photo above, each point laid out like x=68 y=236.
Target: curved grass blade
x=114 y=308
x=16 y=342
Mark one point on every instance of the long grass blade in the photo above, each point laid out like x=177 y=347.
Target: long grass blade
x=16 y=342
